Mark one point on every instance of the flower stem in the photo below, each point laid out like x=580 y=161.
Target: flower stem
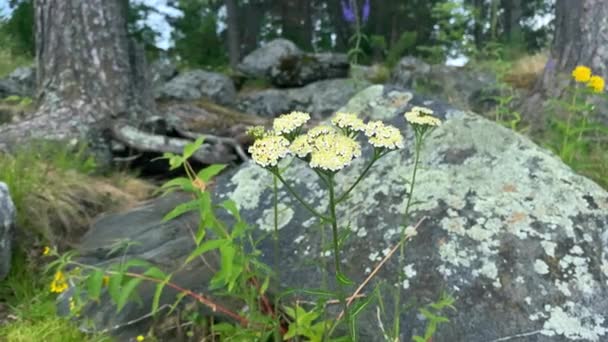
x=562 y=152
x=277 y=269
x=334 y=229
x=397 y=318
x=361 y=176
x=297 y=197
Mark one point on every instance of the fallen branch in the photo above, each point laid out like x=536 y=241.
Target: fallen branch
x=218 y=140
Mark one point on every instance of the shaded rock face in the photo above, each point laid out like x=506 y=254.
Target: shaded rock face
x=511 y=232
x=258 y=63
x=21 y=82
x=321 y=98
x=299 y=70
x=8 y=217
x=161 y=71
x=460 y=86
x=198 y=84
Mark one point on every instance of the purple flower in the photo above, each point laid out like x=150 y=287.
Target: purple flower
x=347 y=12
x=365 y=14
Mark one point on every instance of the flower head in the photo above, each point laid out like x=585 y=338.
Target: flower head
x=333 y=152
x=383 y=136
x=59 y=283
x=365 y=12
x=46 y=250
x=347 y=11
x=140 y=338
x=287 y=123
x=581 y=74
x=348 y=121
x=300 y=146
x=320 y=130
x=256 y=132
x=596 y=83
x=105 y=280
x=269 y=150
x=422 y=116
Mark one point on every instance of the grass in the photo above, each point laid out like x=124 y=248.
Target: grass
x=56 y=193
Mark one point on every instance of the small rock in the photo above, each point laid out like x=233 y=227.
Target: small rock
x=260 y=61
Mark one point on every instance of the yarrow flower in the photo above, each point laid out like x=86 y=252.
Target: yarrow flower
x=256 y=132
x=320 y=130
x=596 y=83
x=383 y=136
x=288 y=123
x=348 y=121
x=301 y=146
x=269 y=150
x=333 y=152
x=422 y=116
x=581 y=74
x=59 y=283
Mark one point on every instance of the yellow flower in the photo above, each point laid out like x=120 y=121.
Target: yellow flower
x=348 y=120
x=269 y=150
x=287 y=123
x=300 y=146
x=333 y=152
x=596 y=83
x=422 y=116
x=46 y=251
x=383 y=136
x=59 y=283
x=140 y=338
x=581 y=74
x=105 y=280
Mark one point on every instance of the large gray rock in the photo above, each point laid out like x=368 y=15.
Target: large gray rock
x=199 y=84
x=261 y=60
x=162 y=70
x=299 y=70
x=21 y=82
x=320 y=98
x=8 y=217
x=511 y=232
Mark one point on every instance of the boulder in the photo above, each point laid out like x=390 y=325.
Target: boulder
x=261 y=60
x=162 y=71
x=516 y=237
x=21 y=82
x=8 y=217
x=320 y=98
x=302 y=69
x=462 y=87
x=199 y=84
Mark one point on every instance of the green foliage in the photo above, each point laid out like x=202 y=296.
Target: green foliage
x=433 y=313
x=17 y=32
x=405 y=44
x=196 y=40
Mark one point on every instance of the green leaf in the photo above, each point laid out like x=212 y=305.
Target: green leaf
x=94 y=284
x=181 y=209
x=360 y=305
x=206 y=247
x=114 y=286
x=231 y=207
x=191 y=148
x=210 y=171
x=156 y=273
x=227 y=252
x=343 y=279
x=182 y=183
x=126 y=293
x=158 y=292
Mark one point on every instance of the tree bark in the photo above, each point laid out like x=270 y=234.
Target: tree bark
x=234 y=43
x=92 y=82
x=581 y=38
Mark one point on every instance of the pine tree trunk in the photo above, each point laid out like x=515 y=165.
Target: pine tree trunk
x=90 y=73
x=581 y=38
x=234 y=43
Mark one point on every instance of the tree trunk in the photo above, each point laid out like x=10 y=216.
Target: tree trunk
x=296 y=22
x=234 y=43
x=92 y=82
x=512 y=14
x=581 y=38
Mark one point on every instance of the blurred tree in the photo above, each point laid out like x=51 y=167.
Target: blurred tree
x=232 y=21
x=91 y=75
x=20 y=27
